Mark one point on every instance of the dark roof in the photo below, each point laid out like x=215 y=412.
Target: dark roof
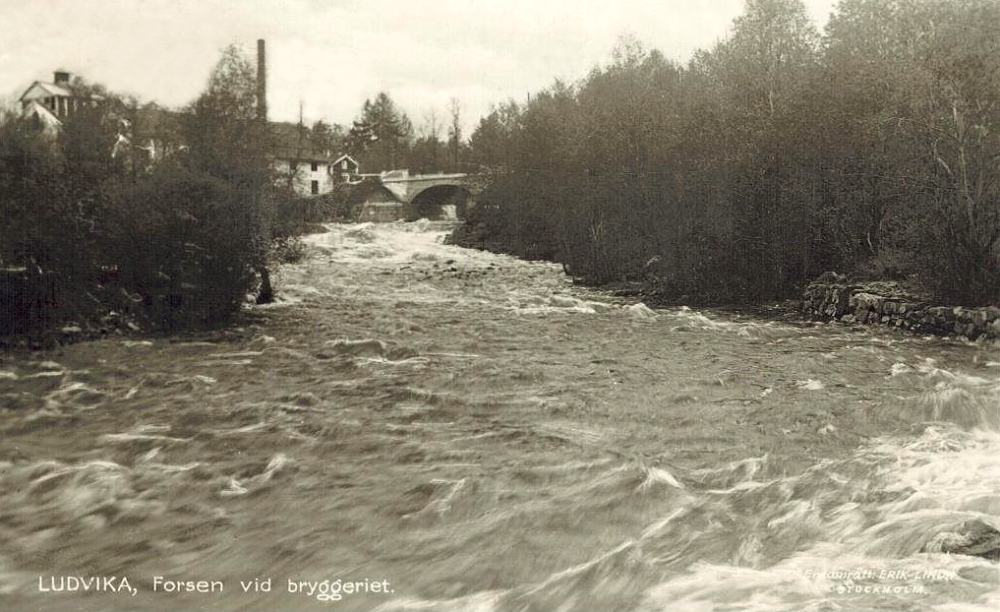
x=291 y=141
x=154 y=119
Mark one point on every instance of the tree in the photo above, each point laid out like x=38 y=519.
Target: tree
x=229 y=141
x=180 y=243
x=381 y=136
x=954 y=121
x=326 y=137
x=9 y=109
x=225 y=137
x=423 y=156
x=493 y=142
x=764 y=69
x=431 y=135
x=455 y=132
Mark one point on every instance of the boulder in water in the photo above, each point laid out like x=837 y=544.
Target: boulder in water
x=974 y=538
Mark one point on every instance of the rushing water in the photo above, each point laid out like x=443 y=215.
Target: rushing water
x=480 y=434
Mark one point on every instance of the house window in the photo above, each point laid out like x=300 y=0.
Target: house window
x=315 y=186
x=343 y=165
x=315 y=166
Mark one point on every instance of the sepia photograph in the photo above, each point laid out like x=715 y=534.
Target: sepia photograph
x=499 y=305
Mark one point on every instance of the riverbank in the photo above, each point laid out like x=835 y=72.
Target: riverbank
x=830 y=298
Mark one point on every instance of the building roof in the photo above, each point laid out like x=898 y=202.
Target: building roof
x=348 y=158
x=47 y=117
x=49 y=88
x=154 y=119
x=291 y=141
x=45 y=89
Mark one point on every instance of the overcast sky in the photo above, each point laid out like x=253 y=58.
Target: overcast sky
x=333 y=54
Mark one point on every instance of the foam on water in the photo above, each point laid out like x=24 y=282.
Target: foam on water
x=809 y=542
x=867 y=532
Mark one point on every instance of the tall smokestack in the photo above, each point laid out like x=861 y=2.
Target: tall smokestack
x=261 y=81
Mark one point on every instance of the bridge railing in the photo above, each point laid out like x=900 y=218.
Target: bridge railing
x=421 y=177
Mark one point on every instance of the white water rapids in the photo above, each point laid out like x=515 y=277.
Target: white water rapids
x=481 y=434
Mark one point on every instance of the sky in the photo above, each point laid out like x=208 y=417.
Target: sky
x=331 y=55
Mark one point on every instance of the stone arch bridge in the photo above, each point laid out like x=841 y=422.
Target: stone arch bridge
x=427 y=194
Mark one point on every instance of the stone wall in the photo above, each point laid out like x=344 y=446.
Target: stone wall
x=885 y=303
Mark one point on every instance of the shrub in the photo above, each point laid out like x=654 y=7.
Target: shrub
x=185 y=243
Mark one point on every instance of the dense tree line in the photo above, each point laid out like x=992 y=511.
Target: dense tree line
x=91 y=233
x=767 y=160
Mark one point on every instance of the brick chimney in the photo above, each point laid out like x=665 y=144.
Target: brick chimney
x=261 y=81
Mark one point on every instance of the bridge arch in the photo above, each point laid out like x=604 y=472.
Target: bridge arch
x=440 y=201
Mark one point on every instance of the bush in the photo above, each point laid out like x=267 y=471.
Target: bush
x=186 y=243
x=50 y=250
x=888 y=264
x=289 y=249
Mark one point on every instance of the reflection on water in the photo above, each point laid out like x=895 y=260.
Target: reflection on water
x=479 y=434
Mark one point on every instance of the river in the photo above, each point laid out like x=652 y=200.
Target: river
x=474 y=432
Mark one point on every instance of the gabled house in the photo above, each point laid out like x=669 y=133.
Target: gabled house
x=346 y=169
x=139 y=132
x=49 y=104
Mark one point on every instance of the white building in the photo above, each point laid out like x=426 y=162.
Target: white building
x=304 y=167
x=49 y=104
x=298 y=164
x=307 y=173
